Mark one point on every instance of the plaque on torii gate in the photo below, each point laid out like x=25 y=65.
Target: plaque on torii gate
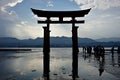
x=46 y=44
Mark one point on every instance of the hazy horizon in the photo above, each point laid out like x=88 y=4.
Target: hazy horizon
x=61 y=37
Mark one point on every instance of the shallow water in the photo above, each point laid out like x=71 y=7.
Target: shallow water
x=29 y=65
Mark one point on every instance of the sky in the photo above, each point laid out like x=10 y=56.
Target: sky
x=17 y=19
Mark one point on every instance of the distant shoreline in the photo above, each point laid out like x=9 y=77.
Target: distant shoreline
x=15 y=49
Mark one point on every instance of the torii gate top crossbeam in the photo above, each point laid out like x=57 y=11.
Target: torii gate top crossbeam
x=60 y=15
x=41 y=13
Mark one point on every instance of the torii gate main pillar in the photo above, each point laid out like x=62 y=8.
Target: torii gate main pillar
x=46 y=53
x=75 y=52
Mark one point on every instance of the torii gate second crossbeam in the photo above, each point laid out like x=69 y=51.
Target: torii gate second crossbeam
x=46 y=45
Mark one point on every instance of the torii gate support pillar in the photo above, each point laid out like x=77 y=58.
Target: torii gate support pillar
x=75 y=52
x=46 y=53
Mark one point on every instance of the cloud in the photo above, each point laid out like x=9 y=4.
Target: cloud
x=22 y=30
x=12 y=26
x=25 y=30
x=99 y=4
x=101 y=24
x=50 y=3
x=38 y=18
x=8 y=15
x=4 y=4
x=8 y=19
x=60 y=30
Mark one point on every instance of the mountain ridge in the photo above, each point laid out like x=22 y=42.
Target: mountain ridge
x=112 y=39
x=54 y=42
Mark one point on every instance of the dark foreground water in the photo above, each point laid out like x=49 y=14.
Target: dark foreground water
x=29 y=65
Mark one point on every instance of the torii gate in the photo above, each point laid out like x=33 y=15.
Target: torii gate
x=46 y=45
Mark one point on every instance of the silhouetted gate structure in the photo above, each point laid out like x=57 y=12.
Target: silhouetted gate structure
x=46 y=45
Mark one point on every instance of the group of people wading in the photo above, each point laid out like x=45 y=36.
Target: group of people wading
x=98 y=49
x=99 y=54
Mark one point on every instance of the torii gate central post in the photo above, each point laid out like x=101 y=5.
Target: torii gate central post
x=46 y=45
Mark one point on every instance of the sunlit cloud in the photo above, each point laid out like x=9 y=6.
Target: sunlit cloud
x=99 y=4
x=7 y=4
x=26 y=30
x=14 y=2
x=60 y=30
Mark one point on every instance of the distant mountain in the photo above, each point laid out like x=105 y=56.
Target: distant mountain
x=108 y=40
x=57 y=42
x=38 y=42
x=67 y=41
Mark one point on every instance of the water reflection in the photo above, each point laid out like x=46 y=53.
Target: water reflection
x=29 y=66
x=113 y=60
x=119 y=59
x=100 y=57
x=113 y=56
x=20 y=66
x=87 y=55
x=101 y=65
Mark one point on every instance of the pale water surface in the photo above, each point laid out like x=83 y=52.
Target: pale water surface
x=29 y=65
